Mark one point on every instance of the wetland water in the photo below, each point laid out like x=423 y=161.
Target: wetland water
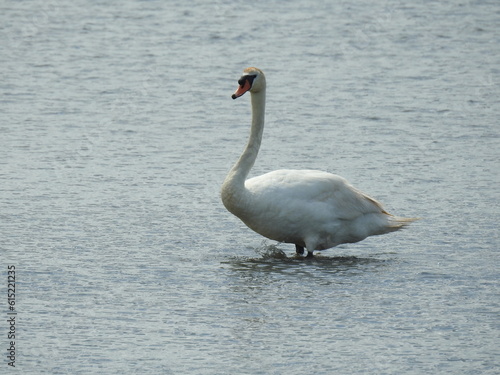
x=118 y=129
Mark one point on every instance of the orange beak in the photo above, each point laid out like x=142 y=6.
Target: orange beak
x=242 y=89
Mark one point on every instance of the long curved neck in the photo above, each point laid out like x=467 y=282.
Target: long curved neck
x=242 y=167
x=234 y=183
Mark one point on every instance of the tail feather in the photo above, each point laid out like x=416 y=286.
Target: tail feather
x=396 y=223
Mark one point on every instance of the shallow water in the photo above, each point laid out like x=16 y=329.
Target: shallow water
x=117 y=132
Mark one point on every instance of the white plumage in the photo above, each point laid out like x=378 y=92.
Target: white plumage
x=311 y=209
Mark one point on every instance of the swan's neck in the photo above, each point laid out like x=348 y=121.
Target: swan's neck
x=233 y=189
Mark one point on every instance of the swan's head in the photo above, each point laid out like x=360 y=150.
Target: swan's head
x=252 y=80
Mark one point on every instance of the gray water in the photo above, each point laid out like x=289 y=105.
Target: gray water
x=117 y=130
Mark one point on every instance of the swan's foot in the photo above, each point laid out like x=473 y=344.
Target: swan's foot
x=299 y=249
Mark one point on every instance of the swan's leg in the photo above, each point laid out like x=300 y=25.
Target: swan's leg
x=309 y=254
x=299 y=249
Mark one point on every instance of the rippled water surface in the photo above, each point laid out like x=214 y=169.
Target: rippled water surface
x=117 y=130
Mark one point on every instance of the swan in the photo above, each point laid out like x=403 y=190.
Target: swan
x=312 y=209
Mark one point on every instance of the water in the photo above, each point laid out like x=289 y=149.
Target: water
x=117 y=130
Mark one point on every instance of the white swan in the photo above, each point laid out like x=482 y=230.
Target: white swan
x=312 y=209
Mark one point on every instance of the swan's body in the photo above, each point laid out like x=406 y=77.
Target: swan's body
x=311 y=209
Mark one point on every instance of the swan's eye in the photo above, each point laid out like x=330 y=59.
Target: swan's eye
x=248 y=78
